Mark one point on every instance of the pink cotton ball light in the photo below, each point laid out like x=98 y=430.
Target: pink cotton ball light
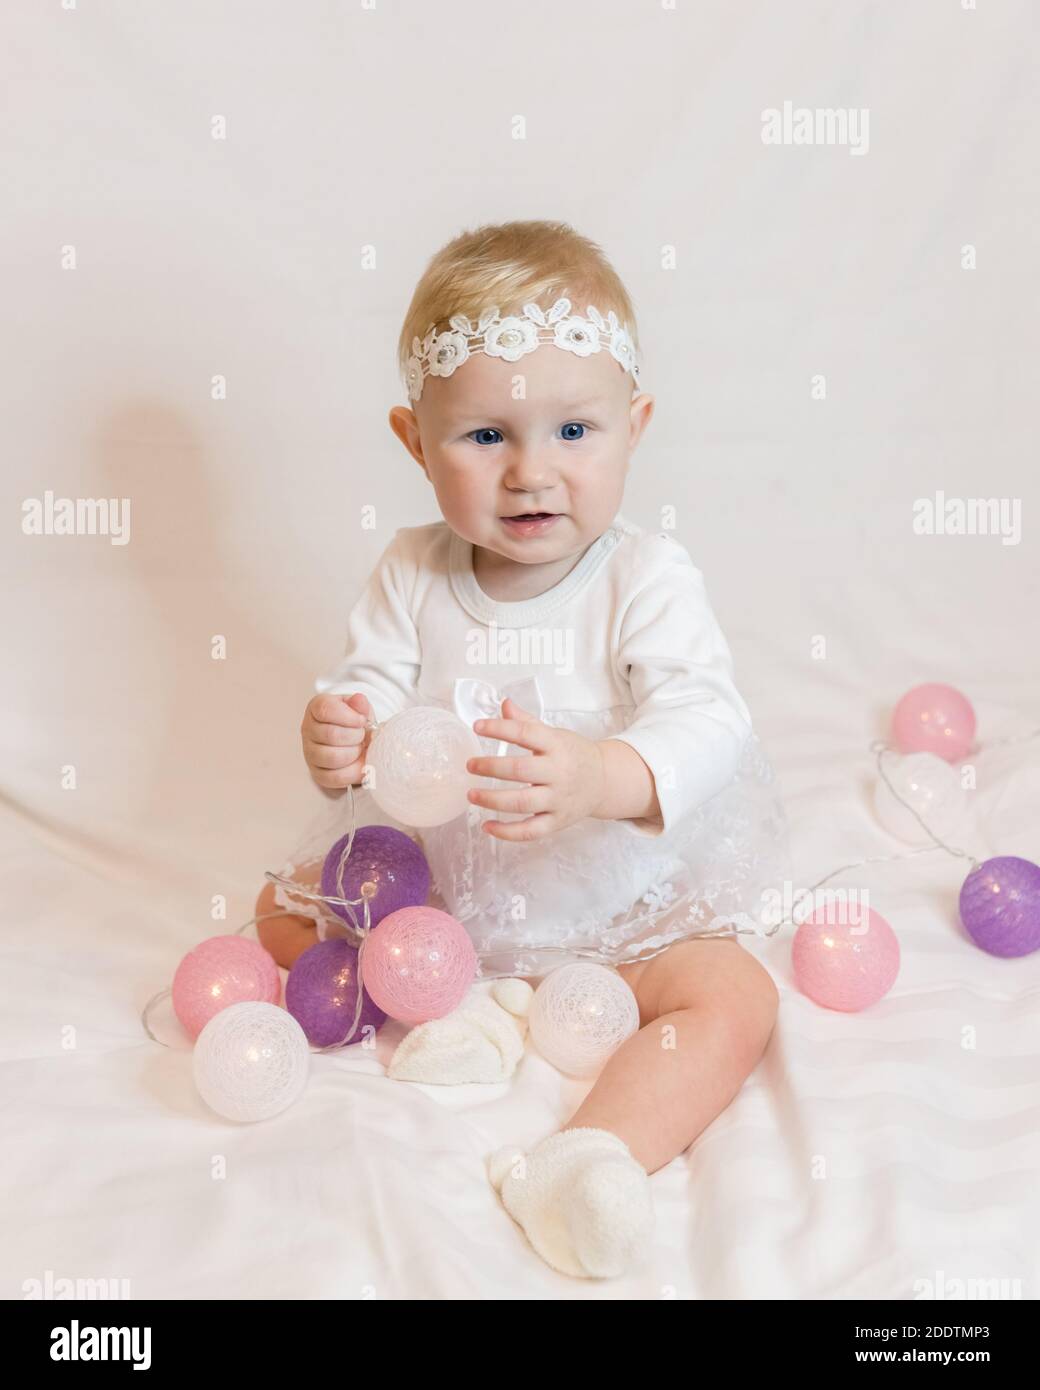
x=934 y=719
x=417 y=964
x=845 y=960
x=220 y=971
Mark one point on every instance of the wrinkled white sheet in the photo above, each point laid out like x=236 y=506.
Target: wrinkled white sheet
x=367 y=1187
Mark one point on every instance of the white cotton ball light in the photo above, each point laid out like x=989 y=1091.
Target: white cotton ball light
x=251 y=1061
x=418 y=766
x=580 y=1015
x=927 y=783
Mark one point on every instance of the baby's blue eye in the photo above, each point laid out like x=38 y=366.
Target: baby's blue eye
x=480 y=436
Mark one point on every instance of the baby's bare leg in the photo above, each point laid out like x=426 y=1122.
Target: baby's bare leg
x=287 y=936
x=706 y=1010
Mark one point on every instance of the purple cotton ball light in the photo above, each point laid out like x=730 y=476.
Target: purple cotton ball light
x=321 y=994
x=382 y=856
x=1000 y=906
x=220 y=971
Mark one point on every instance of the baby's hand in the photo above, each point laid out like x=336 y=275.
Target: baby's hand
x=566 y=771
x=335 y=738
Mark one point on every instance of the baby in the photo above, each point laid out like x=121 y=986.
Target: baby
x=621 y=721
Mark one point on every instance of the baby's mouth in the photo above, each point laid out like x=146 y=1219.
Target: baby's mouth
x=531 y=523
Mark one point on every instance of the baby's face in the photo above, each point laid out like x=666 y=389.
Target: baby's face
x=563 y=450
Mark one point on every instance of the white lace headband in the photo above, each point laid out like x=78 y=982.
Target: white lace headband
x=440 y=354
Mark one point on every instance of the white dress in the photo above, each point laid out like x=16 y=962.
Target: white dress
x=625 y=646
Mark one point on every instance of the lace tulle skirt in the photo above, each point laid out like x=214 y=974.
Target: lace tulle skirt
x=592 y=891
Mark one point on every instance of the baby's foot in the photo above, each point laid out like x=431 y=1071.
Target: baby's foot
x=480 y=1041
x=582 y=1200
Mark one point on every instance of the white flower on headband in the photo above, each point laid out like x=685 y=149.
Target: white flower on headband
x=510 y=338
x=578 y=334
x=440 y=354
x=449 y=351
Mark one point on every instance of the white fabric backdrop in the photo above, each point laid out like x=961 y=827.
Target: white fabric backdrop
x=389 y=128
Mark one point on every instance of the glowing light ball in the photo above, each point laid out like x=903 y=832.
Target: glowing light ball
x=384 y=857
x=580 y=1015
x=934 y=719
x=321 y=994
x=251 y=1062
x=220 y=971
x=1000 y=906
x=845 y=965
x=418 y=964
x=418 y=764
x=928 y=784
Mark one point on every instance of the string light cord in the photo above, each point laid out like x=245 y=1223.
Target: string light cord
x=357 y=931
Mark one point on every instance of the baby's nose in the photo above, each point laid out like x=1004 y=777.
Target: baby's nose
x=527 y=469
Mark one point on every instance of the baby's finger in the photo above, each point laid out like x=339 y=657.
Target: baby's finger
x=336 y=779
x=525 y=733
x=321 y=755
x=530 y=799
x=533 y=828
x=515 y=710
x=522 y=769
x=333 y=709
x=333 y=735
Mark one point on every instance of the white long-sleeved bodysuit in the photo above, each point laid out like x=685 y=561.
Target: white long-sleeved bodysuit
x=625 y=646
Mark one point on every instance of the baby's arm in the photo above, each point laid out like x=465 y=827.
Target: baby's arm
x=376 y=678
x=690 y=721
x=629 y=790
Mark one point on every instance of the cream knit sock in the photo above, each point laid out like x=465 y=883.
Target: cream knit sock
x=482 y=1040
x=582 y=1200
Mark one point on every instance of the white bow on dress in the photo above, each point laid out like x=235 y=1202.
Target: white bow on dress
x=478 y=699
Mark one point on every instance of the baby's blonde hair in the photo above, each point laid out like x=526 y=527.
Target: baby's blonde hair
x=512 y=264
